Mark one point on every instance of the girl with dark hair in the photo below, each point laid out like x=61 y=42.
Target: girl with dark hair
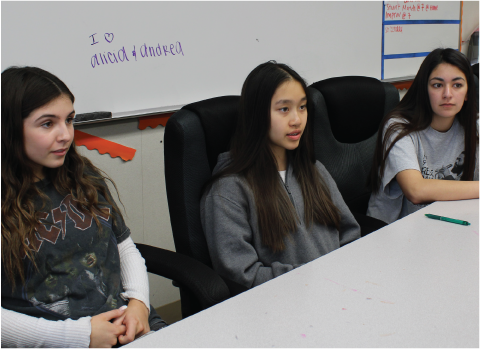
x=270 y=207
x=71 y=274
x=428 y=150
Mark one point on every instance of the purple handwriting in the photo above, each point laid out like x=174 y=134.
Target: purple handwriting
x=108 y=37
x=124 y=55
x=109 y=57
x=93 y=38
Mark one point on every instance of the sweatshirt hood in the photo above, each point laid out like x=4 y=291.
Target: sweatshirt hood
x=222 y=161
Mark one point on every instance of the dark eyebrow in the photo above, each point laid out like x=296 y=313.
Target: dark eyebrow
x=455 y=79
x=286 y=101
x=53 y=116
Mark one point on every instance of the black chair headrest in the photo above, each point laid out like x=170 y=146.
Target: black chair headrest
x=475 y=69
x=218 y=116
x=355 y=106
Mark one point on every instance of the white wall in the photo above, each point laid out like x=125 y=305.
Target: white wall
x=141 y=184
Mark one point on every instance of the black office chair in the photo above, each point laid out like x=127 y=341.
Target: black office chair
x=347 y=113
x=189 y=274
x=475 y=69
x=476 y=77
x=194 y=137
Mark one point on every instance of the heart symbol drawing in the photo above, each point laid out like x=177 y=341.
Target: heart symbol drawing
x=109 y=37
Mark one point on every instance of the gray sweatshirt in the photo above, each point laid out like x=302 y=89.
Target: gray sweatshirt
x=229 y=220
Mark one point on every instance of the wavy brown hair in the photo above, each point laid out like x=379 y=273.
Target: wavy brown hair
x=253 y=158
x=416 y=111
x=25 y=89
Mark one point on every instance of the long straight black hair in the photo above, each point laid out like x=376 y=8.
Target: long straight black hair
x=415 y=108
x=253 y=158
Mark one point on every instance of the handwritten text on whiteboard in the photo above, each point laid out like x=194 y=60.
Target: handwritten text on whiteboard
x=407 y=10
x=122 y=55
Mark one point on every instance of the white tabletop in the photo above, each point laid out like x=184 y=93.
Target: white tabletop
x=414 y=283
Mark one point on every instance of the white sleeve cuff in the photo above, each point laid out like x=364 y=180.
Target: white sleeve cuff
x=20 y=330
x=133 y=273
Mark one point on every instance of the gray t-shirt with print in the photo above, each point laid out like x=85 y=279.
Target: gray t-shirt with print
x=437 y=155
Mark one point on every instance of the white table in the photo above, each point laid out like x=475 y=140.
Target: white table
x=414 y=283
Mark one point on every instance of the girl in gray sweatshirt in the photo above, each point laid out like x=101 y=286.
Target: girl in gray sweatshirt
x=269 y=206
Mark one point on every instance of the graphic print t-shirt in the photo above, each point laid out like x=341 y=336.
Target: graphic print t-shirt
x=78 y=264
x=437 y=155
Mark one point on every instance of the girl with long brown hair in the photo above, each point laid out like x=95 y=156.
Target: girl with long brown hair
x=71 y=274
x=427 y=149
x=270 y=207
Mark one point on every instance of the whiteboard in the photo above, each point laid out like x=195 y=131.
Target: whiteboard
x=221 y=43
x=412 y=29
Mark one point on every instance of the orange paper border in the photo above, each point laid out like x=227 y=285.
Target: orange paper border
x=153 y=121
x=103 y=146
x=400 y=85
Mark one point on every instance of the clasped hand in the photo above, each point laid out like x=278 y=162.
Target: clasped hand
x=124 y=324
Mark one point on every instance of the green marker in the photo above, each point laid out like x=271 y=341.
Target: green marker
x=446 y=219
